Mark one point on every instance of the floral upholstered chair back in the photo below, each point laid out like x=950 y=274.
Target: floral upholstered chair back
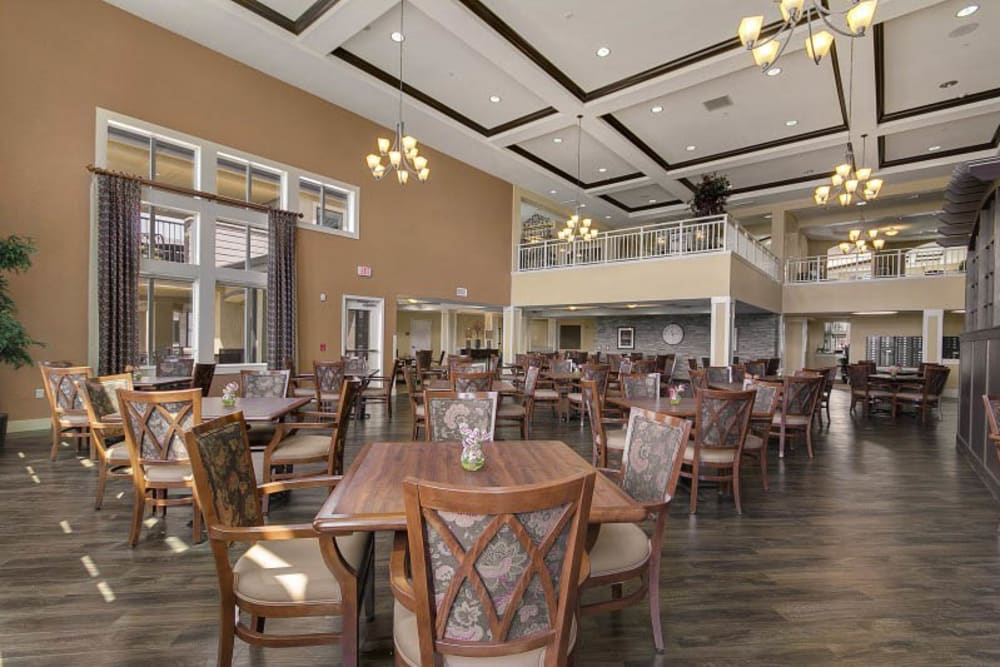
x=722 y=418
x=531 y=381
x=698 y=379
x=100 y=395
x=175 y=367
x=646 y=385
x=496 y=572
x=62 y=388
x=329 y=375
x=264 y=384
x=717 y=374
x=223 y=472
x=447 y=412
x=765 y=402
x=423 y=358
x=155 y=422
x=598 y=373
x=935 y=378
x=562 y=366
x=757 y=368
x=654 y=451
x=355 y=366
x=457 y=360
x=801 y=393
x=472 y=381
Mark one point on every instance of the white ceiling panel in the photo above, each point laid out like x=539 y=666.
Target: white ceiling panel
x=932 y=46
x=643 y=196
x=963 y=134
x=594 y=156
x=292 y=9
x=814 y=163
x=641 y=34
x=441 y=65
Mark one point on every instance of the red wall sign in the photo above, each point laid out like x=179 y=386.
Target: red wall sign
x=364 y=271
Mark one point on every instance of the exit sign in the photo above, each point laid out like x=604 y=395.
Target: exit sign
x=364 y=271
x=461 y=291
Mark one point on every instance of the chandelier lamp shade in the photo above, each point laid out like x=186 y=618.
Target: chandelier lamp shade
x=855 y=20
x=401 y=152
x=578 y=228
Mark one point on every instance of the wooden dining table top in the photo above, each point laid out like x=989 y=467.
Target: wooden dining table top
x=370 y=496
x=156 y=381
x=254 y=409
x=661 y=405
x=562 y=376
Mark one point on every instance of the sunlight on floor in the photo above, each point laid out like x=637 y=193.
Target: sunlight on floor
x=34 y=478
x=20 y=455
x=66 y=528
x=88 y=563
x=86 y=463
x=109 y=595
x=176 y=544
x=150 y=522
x=31 y=471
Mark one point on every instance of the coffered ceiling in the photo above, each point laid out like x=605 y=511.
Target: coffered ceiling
x=500 y=83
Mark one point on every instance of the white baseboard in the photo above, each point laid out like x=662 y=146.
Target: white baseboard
x=23 y=425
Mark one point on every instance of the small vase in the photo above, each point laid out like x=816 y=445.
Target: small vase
x=228 y=402
x=136 y=376
x=675 y=401
x=473 y=457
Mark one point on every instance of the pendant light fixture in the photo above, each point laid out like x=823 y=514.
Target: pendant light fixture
x=402 y=152
x=577 y=229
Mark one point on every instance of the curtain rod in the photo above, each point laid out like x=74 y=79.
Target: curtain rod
x=187 y=191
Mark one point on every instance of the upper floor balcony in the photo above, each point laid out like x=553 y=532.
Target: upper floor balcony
x=899 y=263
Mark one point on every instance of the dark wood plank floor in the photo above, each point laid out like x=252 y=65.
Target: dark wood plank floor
x=880 y=551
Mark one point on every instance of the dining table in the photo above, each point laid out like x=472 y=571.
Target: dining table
x=161 y=382
x=500 y=386
x=253 y=409
x=685 y=408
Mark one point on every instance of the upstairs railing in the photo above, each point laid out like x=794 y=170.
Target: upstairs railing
x=710 y=234
x=900 y=263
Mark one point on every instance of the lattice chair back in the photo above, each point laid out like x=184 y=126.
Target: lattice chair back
x=424 y=358
x=100 y=395
x=698 y=379
x=654 y=451
x=722 y=418
x=801 y=393
x=203 y=376
x=457 y=360
x=765 y=402
x=61 y=386
x=756 y=368
x=531 y=380
x=562 y=366
x=473 y=382
x=857 y=375
x=737 y=373
x=717 y=374
x=496 y=572
x=598 y=373
x=646 y=385
x=224 y=478
x=625 y=366
x=155 y=422
x=329 y=376
x=935 y=378
x=264 y=384
x=355 y=366
x=350 y=390
x=447 y=412
x=175 y=367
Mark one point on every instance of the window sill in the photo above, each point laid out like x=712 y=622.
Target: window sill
x=326 y=230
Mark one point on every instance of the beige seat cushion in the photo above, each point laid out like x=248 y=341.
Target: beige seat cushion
x=302 y=392
x=293 y=571
x=180 y=472
x=73 y=419
x=914 y=396
x=324 y=396
x=616 y=438
x=792 y=420
x=302 y=446
x=546 y=395
x=575 y=397
x=420 y=411
x=118 y=453
x=510 y=411
x=753 y=443
x=619 y=547
x=710 y=455
x=404 y=636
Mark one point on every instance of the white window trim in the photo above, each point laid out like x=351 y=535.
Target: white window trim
x=353 y=212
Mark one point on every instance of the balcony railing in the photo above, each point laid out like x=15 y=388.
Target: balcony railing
x=710 y=234
x=900 y=263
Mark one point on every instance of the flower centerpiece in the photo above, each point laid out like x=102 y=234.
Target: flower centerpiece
x=473 y=457
x=135 y=371
x=893 y=371
x=675 y=393
x=229 y=393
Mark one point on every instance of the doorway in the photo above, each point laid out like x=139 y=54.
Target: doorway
x=361 y=334
x=420 y=336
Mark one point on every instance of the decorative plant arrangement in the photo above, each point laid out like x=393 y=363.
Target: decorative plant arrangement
x=135 y=371
x=15 y=257
x=710 y=195
x=473 y=457
x=675 y=393
x=229 y=393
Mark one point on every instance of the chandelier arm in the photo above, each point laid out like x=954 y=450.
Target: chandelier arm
x=402 y=6
x=787 y=26
x=781 y=49
x=826 y=11
x=831 y=26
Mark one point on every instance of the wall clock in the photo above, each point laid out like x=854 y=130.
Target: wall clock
x=673 y=334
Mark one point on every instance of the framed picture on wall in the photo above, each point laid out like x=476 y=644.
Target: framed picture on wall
x=626 y=338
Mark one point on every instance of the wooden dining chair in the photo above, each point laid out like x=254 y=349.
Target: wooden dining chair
x=287 y=571
x=100 y=401
x=929 y=395
x=521 y=410
x=65 y=405
x=756 y=369
x=171 y=366
x=471 y=381
x=607 y=432
x=154 y=423
x=328 y=377
x=203 y=375
x=717 y=375
x=355 y=366
x=493 y=573
x=644 y=385
x=799 y=396
x=417 y=412
x=862 y=390
x=380 y=387
x=651 y=466
x=600 y=373
x=699 y=379
x=264 y=384
x=721 y=424
x=448 y=411
x=765 y=404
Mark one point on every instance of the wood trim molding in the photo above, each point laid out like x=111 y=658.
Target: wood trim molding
x=635 y=209
x=531 y=157
x=775 y=184
x=297 y=26
x=993 y=143
x=436 y=104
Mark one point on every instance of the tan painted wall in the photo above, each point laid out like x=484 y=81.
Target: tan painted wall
x=403 y=320
x=947 y=292
x=59 y=61
x=749 y=285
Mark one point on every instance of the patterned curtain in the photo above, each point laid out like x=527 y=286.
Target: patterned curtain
x=281 y=289
x=118 y=215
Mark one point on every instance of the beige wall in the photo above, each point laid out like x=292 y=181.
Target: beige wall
x=403 y=320
x=946 y=292
x=59 y=61
x=750 y=285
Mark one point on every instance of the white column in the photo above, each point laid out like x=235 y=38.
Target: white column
x=447 y=338
x=723 y=312
x=513 y=333
x=933 y=333
x=552 y=337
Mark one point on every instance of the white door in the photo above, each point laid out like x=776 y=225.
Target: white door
x=362 y=330
x=420 y=336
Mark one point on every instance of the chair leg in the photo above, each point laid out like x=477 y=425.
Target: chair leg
x=809 y=442
x=102 y=479
x=693 y=505
x=196 y=521
x=413 y=435
x=138 y=509
x=781 y=443
x=227 y=631
x=55 y=441
x=763 y=465
x=653 y=591
x=736 y=488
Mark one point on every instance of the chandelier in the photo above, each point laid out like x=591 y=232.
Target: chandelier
x=575 y=227
x=858 y=241
x=858 y=17
x=849 y=181
x=404 y=157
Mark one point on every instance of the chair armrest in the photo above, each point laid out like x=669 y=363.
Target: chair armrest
x=257 y=533
x=402 y=588
x=300 y=483
x=614 y=474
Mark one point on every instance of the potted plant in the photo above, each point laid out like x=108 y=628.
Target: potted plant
x=710 y=195
x=15 y=256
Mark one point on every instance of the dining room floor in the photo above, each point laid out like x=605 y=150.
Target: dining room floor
x=882 y=550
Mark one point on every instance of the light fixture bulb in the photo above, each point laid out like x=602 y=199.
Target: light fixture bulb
x=373 y=160
x=819 y=45
x=836 y=179
x=872 y=233
x=409 y=143
x=419 y=162
x=394 y=158
x=383 y=145
x=863 y=174
x=875 y=185
x=861 y=244
x=845 y=199
x=749 y=30
x=843 y=170
x=378 y=172
x=851 y=186
x=878 y=243
x=424 y=174
x=854 y=234
x=791 y=9
x=860 y=16
x=586 y=223
x=403 y=176
x=892 y=231
x=845 y=247
x=765 y=54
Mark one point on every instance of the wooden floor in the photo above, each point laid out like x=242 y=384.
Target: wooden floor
x=880 y=551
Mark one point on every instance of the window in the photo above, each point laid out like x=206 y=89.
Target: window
x=150 y=156
x=166 y=234
x=240 y=324
x=324 y=205
x=166 y=325
x=239 y=179
x=240 y=246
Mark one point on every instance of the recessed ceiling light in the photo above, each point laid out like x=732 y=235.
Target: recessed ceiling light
x=632 y=305
x=552 y=192
x=397 y=36
x=583 y=206
x=791 y=123
x=495 y=99
x=948 y=84
x=689 y=148
x=602 y=169
x=603 y=52
x=862 y=203
x=968 y=10
x=652 y=201
x=657 y=109
x=557 y=140
x=607 y=217
x=774 y=71
x=933 y=148
x=767 y=216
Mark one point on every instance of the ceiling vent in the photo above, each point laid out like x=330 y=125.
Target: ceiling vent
x=718 y=103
